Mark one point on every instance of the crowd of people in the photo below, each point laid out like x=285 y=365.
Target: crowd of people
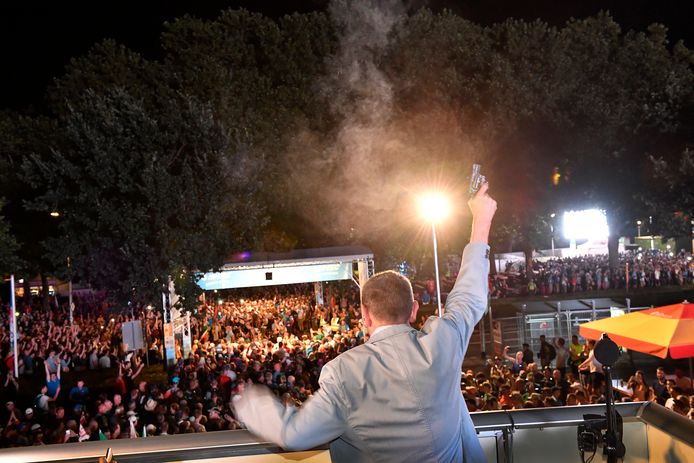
x=562 y=374
x=592 y=273
x=281 y=341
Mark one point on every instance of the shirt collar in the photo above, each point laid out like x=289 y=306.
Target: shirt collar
x=384 y=327
x=388 y=330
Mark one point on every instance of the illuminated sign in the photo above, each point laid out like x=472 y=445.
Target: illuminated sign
x=287 y=275
x=590 y=224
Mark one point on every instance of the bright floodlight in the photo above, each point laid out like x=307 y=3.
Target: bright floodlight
x=590 y=224
x=434 y=207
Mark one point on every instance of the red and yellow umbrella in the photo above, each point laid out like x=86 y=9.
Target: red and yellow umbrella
x=652 y=331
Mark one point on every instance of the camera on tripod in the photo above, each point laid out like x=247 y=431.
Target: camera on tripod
x=590 y=433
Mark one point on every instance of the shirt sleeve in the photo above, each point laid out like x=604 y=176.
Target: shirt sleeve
x=317 y=422
x=467 y=301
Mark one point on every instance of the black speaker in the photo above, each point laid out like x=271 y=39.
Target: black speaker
x=268 y=275
x=606 y=351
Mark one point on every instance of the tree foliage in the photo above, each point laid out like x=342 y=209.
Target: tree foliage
x=588 y=99
x=144 y=197
x=9 y=260
x=24 y=136
x=331 y=126
x=672 y=203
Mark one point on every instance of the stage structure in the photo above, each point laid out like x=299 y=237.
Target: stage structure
x=246 y=270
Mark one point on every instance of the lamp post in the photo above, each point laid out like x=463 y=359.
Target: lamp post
x=551 y=229
x=434 y=207
x=638 y=228
x=13 y=326
x=69 y=291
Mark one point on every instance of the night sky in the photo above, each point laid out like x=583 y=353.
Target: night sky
x=37 y=39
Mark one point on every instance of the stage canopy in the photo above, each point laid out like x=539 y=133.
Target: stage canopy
x=246 y=270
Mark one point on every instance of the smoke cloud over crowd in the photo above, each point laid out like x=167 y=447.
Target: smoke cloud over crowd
x=380 y=156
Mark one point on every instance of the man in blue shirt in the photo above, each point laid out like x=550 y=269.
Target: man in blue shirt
x=79 y=394
x=52 y=382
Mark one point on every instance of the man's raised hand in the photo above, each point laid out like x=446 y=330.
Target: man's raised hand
x=483 y=208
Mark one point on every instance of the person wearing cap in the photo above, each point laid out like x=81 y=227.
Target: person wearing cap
x=151 y=429
x=396 y=397
x=29 y=419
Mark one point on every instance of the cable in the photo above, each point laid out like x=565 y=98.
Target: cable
x=583 y=456
x=592 y=456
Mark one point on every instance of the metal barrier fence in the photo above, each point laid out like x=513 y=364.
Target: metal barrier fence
x=527 y=328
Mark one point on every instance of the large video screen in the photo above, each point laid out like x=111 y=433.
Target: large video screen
x=590 y=224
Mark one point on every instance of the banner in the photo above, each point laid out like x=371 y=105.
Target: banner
x=169 y=343
x=318 y=291
x=132 y=336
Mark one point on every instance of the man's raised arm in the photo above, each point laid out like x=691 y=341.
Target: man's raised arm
x=467 y=300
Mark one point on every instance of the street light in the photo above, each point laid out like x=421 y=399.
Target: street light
x=551 y=229
x=638 y=228
x=434 y=207
x=69 y=290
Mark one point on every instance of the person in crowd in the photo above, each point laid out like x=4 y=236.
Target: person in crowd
x=516 y=362
x=547 y=352
x=597 y=376
x=640 y=391
x=660 y=391
x=576 y=356
x=561 y=355
x=53 y=382
x=682 y=381
x=42 y=401
x=528 y=356
x=79 y=394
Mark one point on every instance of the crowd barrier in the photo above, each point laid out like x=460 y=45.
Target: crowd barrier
x=651 y=434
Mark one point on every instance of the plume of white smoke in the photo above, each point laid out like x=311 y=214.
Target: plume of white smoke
x=369 y=167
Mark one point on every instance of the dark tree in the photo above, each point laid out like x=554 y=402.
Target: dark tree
x=9 y=261
x=143 y=197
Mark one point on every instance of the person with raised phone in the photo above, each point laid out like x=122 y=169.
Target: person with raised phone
x=397 y=397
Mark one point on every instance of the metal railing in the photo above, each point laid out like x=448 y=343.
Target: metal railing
x=651 y=433
x=527 y=328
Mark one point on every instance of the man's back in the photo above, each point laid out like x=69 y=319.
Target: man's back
x=401 y=391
